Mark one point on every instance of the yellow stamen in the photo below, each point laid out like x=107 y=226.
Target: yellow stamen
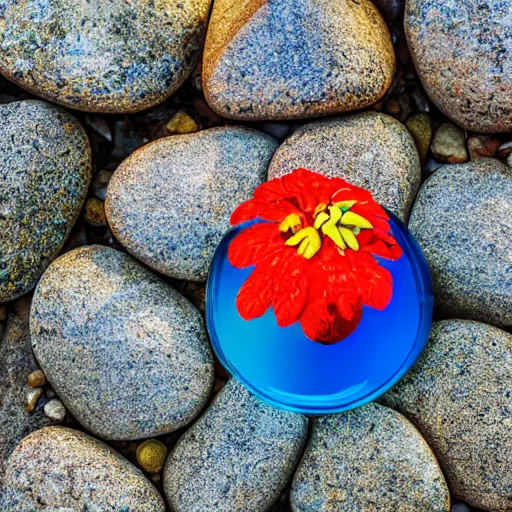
x=309 y=239
x=320 y=219
x=292 y=222
x=350 y=238
x=345 y=205
x=320 y=208
x=330 y=229
x=353 y=219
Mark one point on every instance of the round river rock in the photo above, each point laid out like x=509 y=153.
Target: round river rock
x=370 y=150
x=370 y=459
x=170 y=202
x=458 y=395
x=60 y=469
x=291 y=60
x=103 y=56
x=237 y=456
x=124 y=351
x=462 y=222
x=462 y=55
x=45 y=169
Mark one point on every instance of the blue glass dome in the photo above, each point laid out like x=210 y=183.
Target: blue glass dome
x=286 y=369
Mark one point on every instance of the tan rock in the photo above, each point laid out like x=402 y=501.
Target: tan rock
x=289 y=60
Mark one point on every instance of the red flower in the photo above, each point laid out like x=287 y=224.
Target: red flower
x=314 y=257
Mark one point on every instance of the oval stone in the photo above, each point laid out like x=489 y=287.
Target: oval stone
x=371 y=150
x=290 y=60
x=237 y=456
x=371 y=455
x=45 y=169
x=16 y=363
x=462 y=55
x=124 y=351
x=61 y=469
x=115 y=56
x=461 y=220
x=170 y=202
x=458 y=395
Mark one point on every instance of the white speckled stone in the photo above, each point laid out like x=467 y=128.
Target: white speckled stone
x=102 y=56
x=370 y=150
x=170 y=202
x=370 y=459
x=126 y=353
x=458 y=395
x=462 y=220
x=63 y=470
x=237 y=457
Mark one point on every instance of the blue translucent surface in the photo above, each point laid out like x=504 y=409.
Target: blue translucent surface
x=286 y=369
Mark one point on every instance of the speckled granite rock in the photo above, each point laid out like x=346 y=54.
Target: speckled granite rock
x=45 y=167
x=370 y=150
x=370 y=459
x=170 y=202
x=462 y=56
x=16 y=362
x=237 y=456
x=115 y=56
x=461 y=220
x=458 y=395
x=61 y=469
x=126 y=353
x=291 y=60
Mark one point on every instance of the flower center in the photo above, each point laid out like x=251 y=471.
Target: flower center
x=335 y=221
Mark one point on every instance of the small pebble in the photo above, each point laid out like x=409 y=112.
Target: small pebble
x=151 y=455
x=32 y=398
x=393 y=107
x=509 y=160
x=449 y=144
x=3 y=313
x=460 y=507
x=182 y=123
x=55 y=410
x=50 y=393
x=277 y=130
x=420 y=127
x=95 y=212
x=36 y=379
x=100 y=183
x=483 y=147
x=505 y=149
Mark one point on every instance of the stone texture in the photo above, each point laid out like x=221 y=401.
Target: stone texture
x=45 y=167
x=449 y=144
x=462 y=56
x=462 y=222
x=170 y=202
x=289 y=60
x=60 y=469
x=237 y=456
x=16 y=362
x=115 y=56
x=370 y=459
x=458 y=395
x=370 y=150
x=117 y=343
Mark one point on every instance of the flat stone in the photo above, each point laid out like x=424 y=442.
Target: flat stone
x=237 y=456
x=117 y=342
x=370 y=150
x=458 y=395
x=267 y=60
x=45 y=169
x=170 y=202
x=368 y=456
x=61 y=469
x=115 y=56
x=462 y=56
x=16 y=362
x=461 y=220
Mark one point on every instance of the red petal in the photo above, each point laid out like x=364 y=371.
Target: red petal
x=253 y=298
x=253 y=244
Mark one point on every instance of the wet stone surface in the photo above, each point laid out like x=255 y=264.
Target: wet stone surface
x=116 y=56
x=116 y=342
x=45 y=167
